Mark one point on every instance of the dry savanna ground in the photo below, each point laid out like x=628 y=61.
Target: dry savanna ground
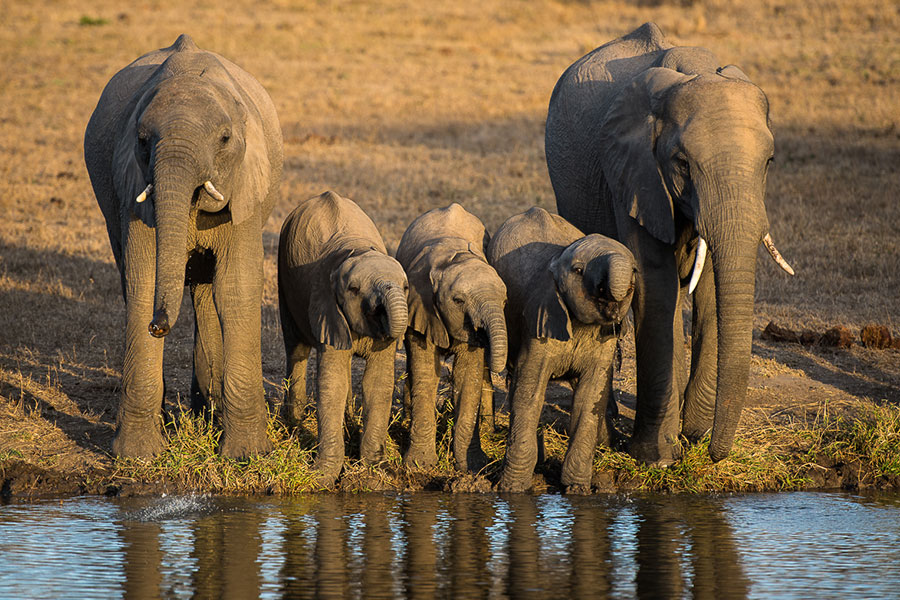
x=405 y=106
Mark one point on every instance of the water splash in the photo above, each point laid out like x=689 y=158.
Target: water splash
x=169 y=508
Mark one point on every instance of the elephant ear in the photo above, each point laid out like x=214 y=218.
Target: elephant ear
x=546 y=315
x=326 y=320
x=252 y=181
x=733 y=72
x=128 y=177
x=627 y=137
x=423 y=314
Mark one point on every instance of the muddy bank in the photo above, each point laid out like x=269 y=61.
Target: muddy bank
x=20 y=480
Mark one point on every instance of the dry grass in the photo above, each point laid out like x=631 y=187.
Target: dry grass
x=405 y=106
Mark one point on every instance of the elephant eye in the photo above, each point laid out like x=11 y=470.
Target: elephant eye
x=225 y=137
x=354 y=289
x=578 y=269
x=458 y=300
x=144 y=142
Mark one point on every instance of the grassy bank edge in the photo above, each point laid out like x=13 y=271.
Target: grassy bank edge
x=832 y=451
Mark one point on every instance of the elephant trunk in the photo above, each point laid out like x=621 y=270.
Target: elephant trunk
x=732 y=247
x=174 y=186
x=621 y=277
x=397 y=309
x=489 y=315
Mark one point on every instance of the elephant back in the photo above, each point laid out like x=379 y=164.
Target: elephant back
x=523 y=247
x=441 y=223
x=324 y=224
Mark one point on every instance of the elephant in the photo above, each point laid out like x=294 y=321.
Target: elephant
x=184 y=153
x=567 y=295
x=662 y=149
x=456 y=303
x=340 y=292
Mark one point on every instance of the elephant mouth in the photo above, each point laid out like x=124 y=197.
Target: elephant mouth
x=611 y=312
x=379 y=323
x=476 y=337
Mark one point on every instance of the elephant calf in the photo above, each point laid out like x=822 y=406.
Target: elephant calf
x=338 y=290
x=456 y=303
x=567 y=293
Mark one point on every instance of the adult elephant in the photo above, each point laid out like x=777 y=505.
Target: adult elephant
x=662 y=149
x=184 y=153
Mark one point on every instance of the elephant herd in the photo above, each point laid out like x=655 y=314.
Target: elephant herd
x=658 y=159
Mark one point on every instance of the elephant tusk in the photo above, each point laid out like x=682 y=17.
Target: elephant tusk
x=212 y=191
x=698 y=265
x=143 y=195
x=776 y=255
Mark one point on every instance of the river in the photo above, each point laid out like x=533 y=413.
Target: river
x=427 y=545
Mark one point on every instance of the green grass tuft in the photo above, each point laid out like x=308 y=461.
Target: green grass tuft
x=191 y=462
x=86 y=21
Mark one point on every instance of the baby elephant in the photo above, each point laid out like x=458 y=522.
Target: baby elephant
x=338 y=290
x=567 y=294
x=456 y=302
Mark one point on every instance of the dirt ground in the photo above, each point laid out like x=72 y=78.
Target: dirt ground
x=406 y=106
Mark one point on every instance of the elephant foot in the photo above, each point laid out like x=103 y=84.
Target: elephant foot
x=654 y=454
x=473 y=460
x=513 y=483
x=139 y=441
x=694 y=434
x=420 y=457
x=246 y=442
x=577 y=489
x=292 y=414
x=328 y=470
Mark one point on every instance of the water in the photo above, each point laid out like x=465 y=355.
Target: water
x=426 y=545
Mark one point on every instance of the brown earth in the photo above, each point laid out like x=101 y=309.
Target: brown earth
x=405 y=106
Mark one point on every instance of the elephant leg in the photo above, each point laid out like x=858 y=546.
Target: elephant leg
x=238 y=298
x=486 y=410
x=588 y=411
x=333 y=384
x=532 y=373
x=468 y=371
x=206 y=382
x=659 y=349
x=377 y=393
x=138 y=432
x=297 y=356
x=700 y=395
x=424 y=368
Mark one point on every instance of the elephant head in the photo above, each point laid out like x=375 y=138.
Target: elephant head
x=594 y=276
x=695 y=149
x=193 y=146
x=593 y=283
x=367 y=295
x=459 y=296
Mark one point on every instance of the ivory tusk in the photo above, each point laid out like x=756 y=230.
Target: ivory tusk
x=212 y=191
x=776 y=255
x=143 y=195
x=698 y=265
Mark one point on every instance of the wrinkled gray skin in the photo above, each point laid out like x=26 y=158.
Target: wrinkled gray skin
x=654 y=145
x=340 y=292
x=177 y=118
x=567 y=292
x=456 y=302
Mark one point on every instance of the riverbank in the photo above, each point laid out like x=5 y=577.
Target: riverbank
x=824 y=438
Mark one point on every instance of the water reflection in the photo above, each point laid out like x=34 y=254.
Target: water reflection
x=450 y=546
